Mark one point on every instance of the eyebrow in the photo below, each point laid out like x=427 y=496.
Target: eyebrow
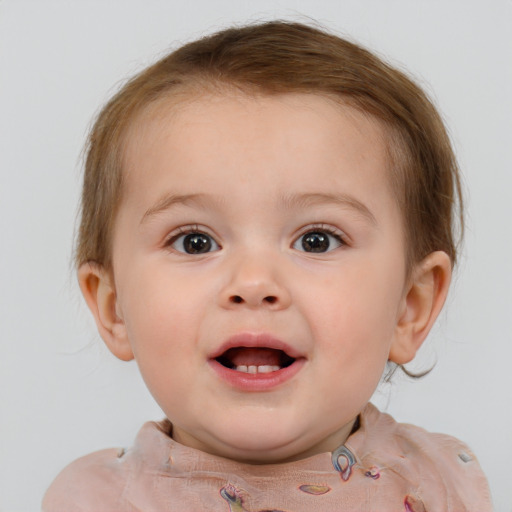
x=174 y=199
x=318 y=198
x=288 y=201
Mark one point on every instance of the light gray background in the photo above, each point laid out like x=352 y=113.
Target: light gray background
x=61 y=394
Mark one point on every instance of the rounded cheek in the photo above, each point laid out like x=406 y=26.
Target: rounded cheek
x=167 y=359
x=353 y=332
x=161 y=326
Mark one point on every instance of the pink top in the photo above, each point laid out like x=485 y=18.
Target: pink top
x=383 y=466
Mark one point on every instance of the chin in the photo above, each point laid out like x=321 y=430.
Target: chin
x=263 y=454
x=262 y=445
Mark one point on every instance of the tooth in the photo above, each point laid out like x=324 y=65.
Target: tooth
x=265 y=368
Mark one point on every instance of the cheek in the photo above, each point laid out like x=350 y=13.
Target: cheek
x=160 y=313
x=356 y=313
x=163 y=335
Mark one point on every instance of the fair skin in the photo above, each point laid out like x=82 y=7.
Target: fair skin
x=261 y=232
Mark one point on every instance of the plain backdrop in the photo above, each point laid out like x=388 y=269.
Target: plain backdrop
x=61 y=394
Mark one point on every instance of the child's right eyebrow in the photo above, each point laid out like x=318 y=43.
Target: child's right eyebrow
x=174 y=199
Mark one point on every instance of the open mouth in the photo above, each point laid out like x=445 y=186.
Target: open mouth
x=255 y=360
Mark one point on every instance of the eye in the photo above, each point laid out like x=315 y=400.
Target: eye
x=193 y=242
x=318 y=241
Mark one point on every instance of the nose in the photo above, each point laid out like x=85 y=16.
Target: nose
x=255 y=282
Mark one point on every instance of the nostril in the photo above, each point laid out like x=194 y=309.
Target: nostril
x=236 y=299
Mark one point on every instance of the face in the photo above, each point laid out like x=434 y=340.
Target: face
x=259 y=270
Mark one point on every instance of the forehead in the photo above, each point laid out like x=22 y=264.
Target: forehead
x=205 y=128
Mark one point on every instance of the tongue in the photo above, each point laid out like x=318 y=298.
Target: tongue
x=254 y=356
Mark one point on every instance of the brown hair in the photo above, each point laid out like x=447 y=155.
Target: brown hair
x=279 y=57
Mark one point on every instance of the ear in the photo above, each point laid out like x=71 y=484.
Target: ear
x=99 y=292
x=424 y=298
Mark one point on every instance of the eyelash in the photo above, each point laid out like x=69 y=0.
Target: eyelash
x=182 y=232
x=338 y=235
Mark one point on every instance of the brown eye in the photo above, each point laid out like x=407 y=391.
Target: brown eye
x=318 y=242
x=197 y=243
x=194 y=243
x=315 y=242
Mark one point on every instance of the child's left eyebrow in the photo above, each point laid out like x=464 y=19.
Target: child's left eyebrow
x=320 y=198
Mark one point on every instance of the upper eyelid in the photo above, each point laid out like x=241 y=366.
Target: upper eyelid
x=328 y=228
x=186 y=230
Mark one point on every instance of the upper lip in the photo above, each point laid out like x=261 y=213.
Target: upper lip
x=256 y=340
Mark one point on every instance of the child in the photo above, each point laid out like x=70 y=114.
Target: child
x=267 y=222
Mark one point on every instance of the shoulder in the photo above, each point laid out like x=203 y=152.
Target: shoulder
x=442 y=469
x=454 y=464
x=108 y=480
x=91 y=483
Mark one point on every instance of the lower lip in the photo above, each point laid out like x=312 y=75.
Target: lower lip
x=257 y=381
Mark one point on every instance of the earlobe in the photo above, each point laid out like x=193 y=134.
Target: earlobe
x=99 y=292
x=423 y=300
